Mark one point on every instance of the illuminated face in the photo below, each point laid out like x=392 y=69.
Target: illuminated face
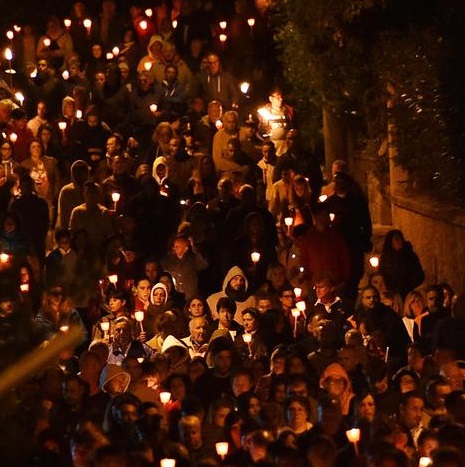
x=122 y=334
x=412 y=412
x=241 y=384
x=276 y=100
x=367 y=408
x=198 y=330
x=196 y=307
x=254 y=407
x=287 y=299
x=159 y=297
x=35 y=149
x=180 y=247
x=296 y=414
x=323 y=290
x=335 y=385
x=115 y=304
x=174 y=146
x=143 y=290
x=369 y=299
x=238 y=282
x=230 y=123
x=220 y=415
x=225 y=317
x=249 y=322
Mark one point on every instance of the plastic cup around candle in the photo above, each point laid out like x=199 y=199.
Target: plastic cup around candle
x=222 y=449
x=322 y=198
x=165 y=397
x=140 y=359
x=168 y=463
x=47 y=42
x=67 y=22
x=174 y=24
x=219 y=124
x=62 y=126
x=223 y=38
x=223 y=24
x=332 y=216
x=295 y=312
x=148 y=12
x=115 y=51
x=24 y=287
x=113 y=278
x=64 y=328
x=251 y=22
x=87 y=24
x=297 y=292
x=19 y=97
x=247 y=338
x=153 y=108
x=245 y=89
x=13 y=137
x=109 y=56
x=353 y=435
x=301 y=269
x=301 y=306
x=17 y=28
x=79 y=114
x=147 y=66
x=139 y=315
x=115 y=196
x=105 y=326
x=255 y=256
x=374 y=261
x=65 y=75
x=425 y=462
x=10 y=35
x=143 y=25
x=288 y=221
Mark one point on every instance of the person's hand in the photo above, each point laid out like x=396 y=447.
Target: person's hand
x=143 y=337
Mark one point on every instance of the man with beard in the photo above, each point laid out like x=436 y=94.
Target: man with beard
x=235 y=286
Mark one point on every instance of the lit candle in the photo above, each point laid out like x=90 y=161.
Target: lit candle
x=24 y=287
x=139 y=315
x=255 y=256
x=222 y=449
x=109 y=56
x=301 y=306
x=251 y=23
x=168 y=462
x=47 y=42
x=353 y=435
x=322 y=198
x=165 y=397
x=65 y=75
x=115 y=197
x=295 y=312
x=297 y=292
x=79 y=113
x=13 y=137
x=105 y=326
x=153 y=108
x=147 y=66
x=115 y=51
x=425 y=462
x=64 y=328
x=67 y=23
x=62 y=126
x=17 y=28
x=301 y=269
x=140 y=359
x=113 y=278
x=219 y=124
x=223 y=24
x=223 y=38
x=88 y=25
x=245 y=87
x=143 y=25
x=374 y=261
x=174 y=24
x=10 y=35
x=332 y=216
x=247 y=338
x=288 y=221
x=148 y=12
x=4 y=257
x=20 y=97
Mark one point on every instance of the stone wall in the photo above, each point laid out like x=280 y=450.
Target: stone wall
x=437 y=234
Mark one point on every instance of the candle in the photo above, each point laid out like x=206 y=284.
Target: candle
x=332 y=216
x=62 y=126
x=153 y=108
x=109 y=56
x=147 y=66
x=425 y=462
x=223 y=24
x=223 y=38
x=322 y=198
x=113 y=278
x=245 y=87
x=297 y=292
x=105 y=326
x=20 y=97
x=219 y=124
x=115 y=196
x=353 y=436
x=115 y=51
x=255 y=256
x=251 y=22
x=295 y=312
x=140 y=359
x=67 y=23
x=148 y=12
x=143 y=25
x=301 y=306
x=8 y=54
x=13 y=137
x=88 y=25
x=24 y=287
x=174 y=24
x=167 y=462
x=301 y=269
x=10 y=35
x=247 y=338
x=79 y=113
x=17 y=28
x=289 y=221
x=47 y=42
x=65 y=75
x=4 y=257
x=222 y=449
x=64 y=328
x=165 y=397
x=374 y=261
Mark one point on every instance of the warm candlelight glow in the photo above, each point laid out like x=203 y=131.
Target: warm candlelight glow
x=223 y=24
x=174 y=24
x=24 y=287
x=222 y=449
x=10 y=35
x=297 y=292
x=17 y=28
x=19 y=97
x=62 y=126
x=301 y=306
x=223 y=38
x=79 y=113
x=113 y=278
x=8 y=54
x=115 y=51
x=4 y=257
x=47 y=42
x=115 y=196
x=332 y=216
x=153 y=108
x=245 y=87
x=67 y=22
x=301 y=269
x=251 y=22
x=65 y=75
x=13 y=137
x=109 y=56
x=295 y=312
x=87 y=23
x=140 y=359
x=147 y=66
x=425 y=462
x=64 y=328
x=247 y=338
x=219 y=124
x=374 y=261
x=165 y=397
x=139 y=315
x=148 y=12
x=143 y=25
x=288 y=221
x=105 y=326
x=168 y=463
x=255 y=256
x=322 y=198
x=353 y=435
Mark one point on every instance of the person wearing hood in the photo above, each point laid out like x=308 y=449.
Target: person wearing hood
x=235 y=286
x=124 y=344
x=177 y=353
x=154 y=54
x=336 y=383
x=158 y=298
x=160 y=172
x=114 y=380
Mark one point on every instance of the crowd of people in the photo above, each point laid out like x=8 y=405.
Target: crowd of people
x=214 y=279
